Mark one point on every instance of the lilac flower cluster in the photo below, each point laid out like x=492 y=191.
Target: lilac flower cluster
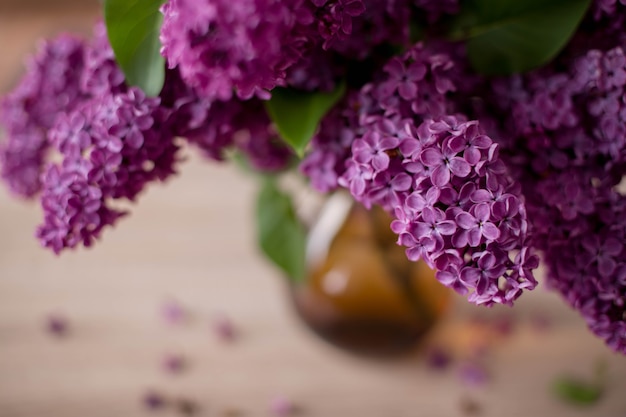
x=411 y=86
x=112 y=147
x=441 y=176
x=454 y=204
x=567 y=147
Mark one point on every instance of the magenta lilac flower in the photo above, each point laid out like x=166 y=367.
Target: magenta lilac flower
x=113 y=147
x=442 y=178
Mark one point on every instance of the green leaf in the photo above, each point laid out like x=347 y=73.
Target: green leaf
x=280 y=234
x=511 y=36
x=297 y=114
x=577 y=392
x=133 y=29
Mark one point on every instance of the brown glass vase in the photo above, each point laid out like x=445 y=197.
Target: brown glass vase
x=361 y=293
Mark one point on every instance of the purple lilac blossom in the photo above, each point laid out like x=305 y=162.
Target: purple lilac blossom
x=567 y=146
x=116 y=145
x=541 y=168
x=442 y=178
x=432 y=76
x=51 y=85
x=221 y=49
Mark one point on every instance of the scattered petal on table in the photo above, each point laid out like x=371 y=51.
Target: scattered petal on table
x=187 y=407
x=438 y=358
x=57 y=325
x=153 y=400
x=173 y=313
x=224 y=329
x=473 y=374
x=174 y=364
x=282 y=407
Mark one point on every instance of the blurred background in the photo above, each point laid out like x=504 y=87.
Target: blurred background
x=176 y=312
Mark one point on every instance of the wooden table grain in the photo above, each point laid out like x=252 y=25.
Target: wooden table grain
x=192 y=240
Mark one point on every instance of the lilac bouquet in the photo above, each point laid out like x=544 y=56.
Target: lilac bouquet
x=491 y=130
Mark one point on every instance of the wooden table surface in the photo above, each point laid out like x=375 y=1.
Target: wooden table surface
x=192 y=240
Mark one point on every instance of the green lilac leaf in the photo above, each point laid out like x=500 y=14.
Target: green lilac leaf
x=578 y=392
x=281 y=236
x=512 y=36
x=133 y=28
x=297 y=114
